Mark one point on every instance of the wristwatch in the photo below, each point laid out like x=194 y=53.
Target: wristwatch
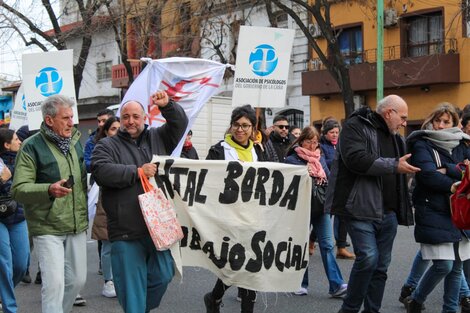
x=1 y=180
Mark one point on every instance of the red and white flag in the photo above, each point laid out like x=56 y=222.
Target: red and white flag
x=190 y=82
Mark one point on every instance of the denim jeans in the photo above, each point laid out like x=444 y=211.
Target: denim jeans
x=373 y=243
x=141 y=274
x=451 y=272
x=106 y=260
x=14 y=256
x=63 y=264
x=323 y=229
x=417 y=270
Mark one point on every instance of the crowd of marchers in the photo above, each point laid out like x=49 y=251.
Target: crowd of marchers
x=353 y=166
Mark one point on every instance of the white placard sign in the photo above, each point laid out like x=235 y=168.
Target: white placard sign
x=247 y=222
x=19 y=116
x=46 y=74
x=262 y=68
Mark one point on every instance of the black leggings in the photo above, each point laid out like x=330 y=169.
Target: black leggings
x=248 y=296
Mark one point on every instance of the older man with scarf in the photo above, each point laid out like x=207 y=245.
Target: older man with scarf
x=56 y=212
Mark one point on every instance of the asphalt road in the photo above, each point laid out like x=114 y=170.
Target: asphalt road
x=186 y=295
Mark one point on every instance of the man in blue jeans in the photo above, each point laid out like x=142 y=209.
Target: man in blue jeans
x=368 y=190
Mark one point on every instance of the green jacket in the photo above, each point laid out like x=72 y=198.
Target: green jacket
x=40 y=163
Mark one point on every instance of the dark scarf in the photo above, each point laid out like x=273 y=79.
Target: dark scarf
x=61 y=142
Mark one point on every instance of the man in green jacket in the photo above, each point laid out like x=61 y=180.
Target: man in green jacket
x=50 y=181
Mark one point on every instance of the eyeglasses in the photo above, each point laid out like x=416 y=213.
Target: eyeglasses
x=244 y=127
x=311 y=142
x=403 y=118
x=282 y=126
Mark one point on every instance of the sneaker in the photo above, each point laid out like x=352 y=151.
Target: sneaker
x=301 y=292
x=38 y=279
x=406 y=291
x=212 y=305
x=465 y=303
x=108 y=289
x=79 y=301
x=340 y=292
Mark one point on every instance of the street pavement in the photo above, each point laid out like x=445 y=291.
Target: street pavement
x=186 y=295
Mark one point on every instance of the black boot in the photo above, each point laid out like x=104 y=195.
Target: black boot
x=248 y=300
x=413 y=307
x=465 y=303
x=212 y=305
x=26 y=278
x=406 y=291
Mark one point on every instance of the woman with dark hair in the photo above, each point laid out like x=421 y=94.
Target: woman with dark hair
x=237 y=145
x=436 y=149
x=305 y=150
x=329 y=139
x=99 y=230
x=14 y=242
x=110 y=128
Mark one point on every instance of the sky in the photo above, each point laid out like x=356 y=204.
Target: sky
x=12 y=47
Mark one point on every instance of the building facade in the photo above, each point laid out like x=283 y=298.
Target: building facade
x=426 y=57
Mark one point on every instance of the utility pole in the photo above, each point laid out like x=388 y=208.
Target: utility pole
x=380 y=49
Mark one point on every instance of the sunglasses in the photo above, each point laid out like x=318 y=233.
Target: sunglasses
x=282 y=126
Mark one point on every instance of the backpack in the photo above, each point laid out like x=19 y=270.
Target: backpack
x=460 y=202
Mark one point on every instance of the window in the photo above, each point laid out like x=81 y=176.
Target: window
x=350 y=44
x=294 y=117
x=103 y=70
x=424 y=35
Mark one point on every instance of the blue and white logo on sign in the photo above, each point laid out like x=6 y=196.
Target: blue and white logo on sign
x=49 y=82
x=23 y=102
x=263 y=60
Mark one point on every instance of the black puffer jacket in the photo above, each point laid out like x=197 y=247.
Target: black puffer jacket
x=355 y=185
x=114 y=164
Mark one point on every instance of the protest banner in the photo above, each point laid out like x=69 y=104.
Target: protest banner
x=248 y=222
x=190 y=82
x=262 y=67
x=46 y=74
x=19 y=116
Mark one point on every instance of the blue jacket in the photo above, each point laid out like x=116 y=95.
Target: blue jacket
x=328 y=150
x=89 y=146
x=432 y=190
x=9 y=160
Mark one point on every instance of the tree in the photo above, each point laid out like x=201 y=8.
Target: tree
x=47 y=39
x=319 y=11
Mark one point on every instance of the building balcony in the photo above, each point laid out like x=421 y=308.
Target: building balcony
x=436 y=63
x=120 y=79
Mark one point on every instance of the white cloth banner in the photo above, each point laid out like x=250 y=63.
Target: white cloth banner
x=248 y=222
x=190 y=82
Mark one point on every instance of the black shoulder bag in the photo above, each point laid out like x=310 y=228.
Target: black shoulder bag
x=318 y=199
x=8 y=206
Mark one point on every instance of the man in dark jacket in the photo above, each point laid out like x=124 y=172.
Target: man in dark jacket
x=368 y=189
x=141 y=273
x=279 y=137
